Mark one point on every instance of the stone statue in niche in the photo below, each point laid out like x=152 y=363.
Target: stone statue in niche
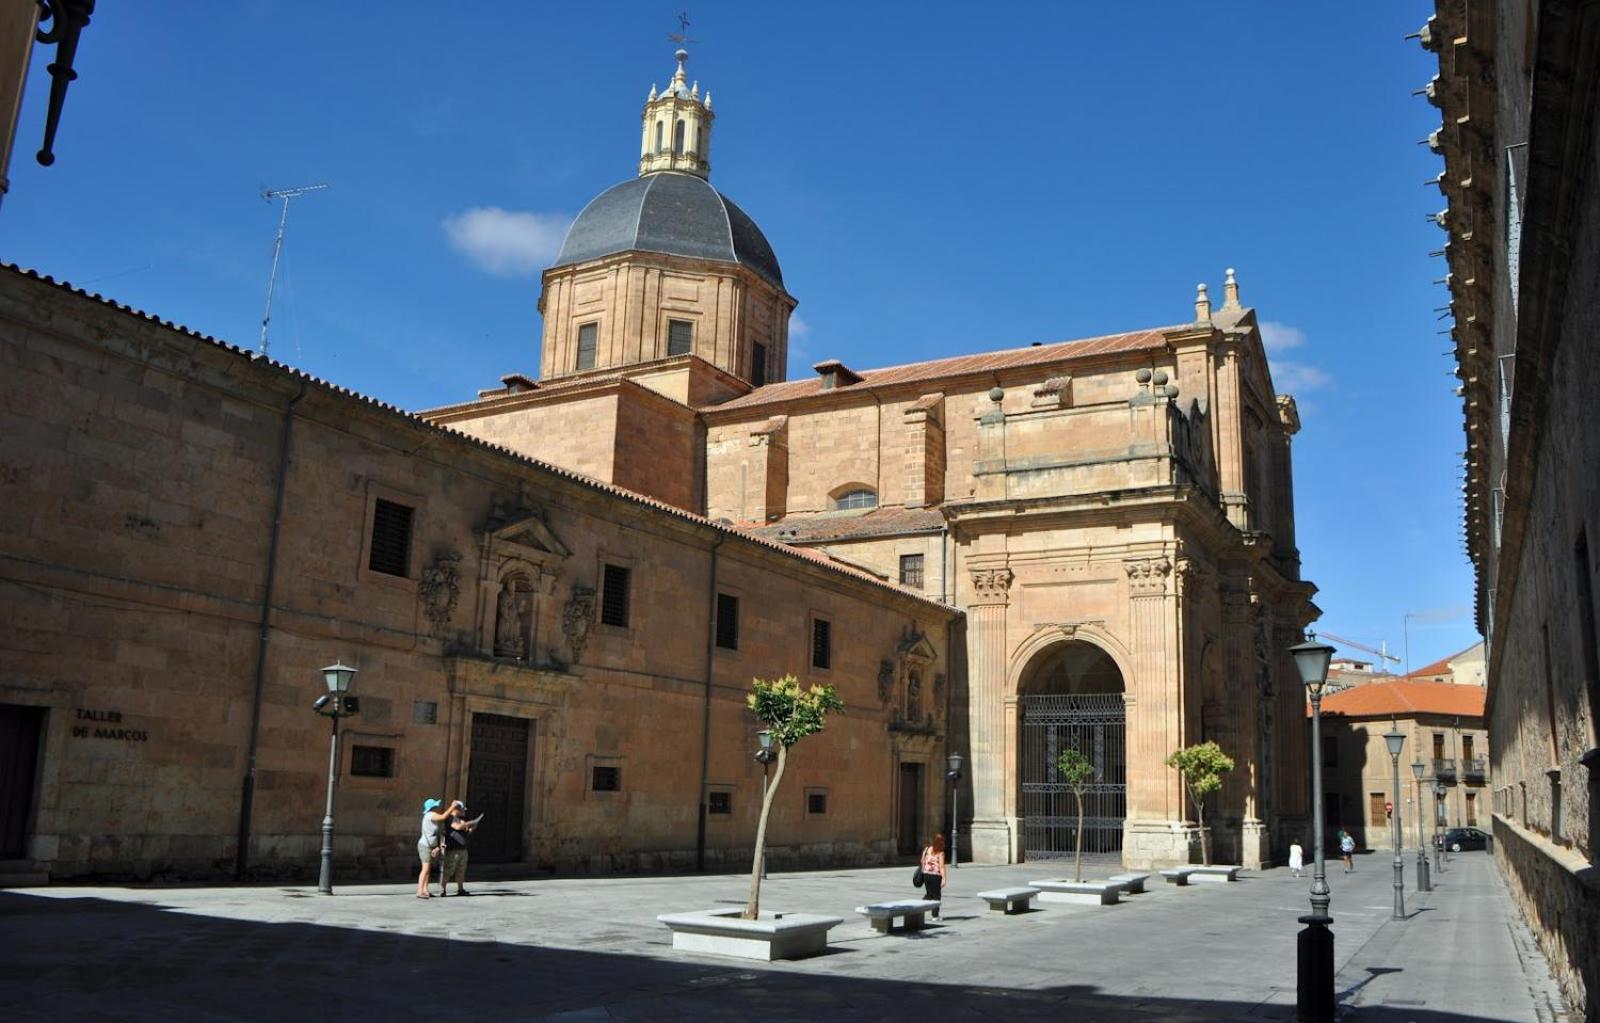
x=576 y=618
x=914 y=696
x=513 y=618
x=885 y=681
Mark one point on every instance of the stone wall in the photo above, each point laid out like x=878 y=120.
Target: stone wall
x=1559 y=896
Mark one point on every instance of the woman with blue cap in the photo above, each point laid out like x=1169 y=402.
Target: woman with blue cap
x=433 y=820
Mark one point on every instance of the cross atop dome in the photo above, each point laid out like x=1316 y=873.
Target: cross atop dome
x=676 y=133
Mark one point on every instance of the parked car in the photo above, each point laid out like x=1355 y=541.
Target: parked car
x=1458 y=839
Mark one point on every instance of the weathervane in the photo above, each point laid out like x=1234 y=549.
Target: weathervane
x=681 y=37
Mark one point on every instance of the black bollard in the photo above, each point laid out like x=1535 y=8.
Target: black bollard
x=1314 y=1003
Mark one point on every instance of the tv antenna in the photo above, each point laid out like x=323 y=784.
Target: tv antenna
x=681 y=37
x=277 y=245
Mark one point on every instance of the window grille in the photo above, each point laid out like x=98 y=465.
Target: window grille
x=821 y=643
x=816 y=803
x=372 y=761
x=911 y=570
x=719 y=802
x=588 y=340
x=391 y=538
x=614 y=601
x=727 y=621
x=607 y=779
x=680 y=337
x=424 y=712
x=1513 y=228
x=861 y=497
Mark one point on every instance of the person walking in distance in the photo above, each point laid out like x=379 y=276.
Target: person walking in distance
x=428 y=845
x=934 y=875
x=1297 y=857
x=1347 y=849
x=455 y=850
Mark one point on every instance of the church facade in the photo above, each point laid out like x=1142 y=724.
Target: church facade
x=1114 y=515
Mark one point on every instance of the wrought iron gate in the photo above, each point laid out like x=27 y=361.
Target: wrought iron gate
x=1095 y=724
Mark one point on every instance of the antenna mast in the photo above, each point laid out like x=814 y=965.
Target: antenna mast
x=277 y=246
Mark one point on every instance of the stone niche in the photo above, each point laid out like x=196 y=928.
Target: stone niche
x=520 y=562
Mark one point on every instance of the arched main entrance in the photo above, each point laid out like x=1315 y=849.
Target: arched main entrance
x=1071 y=696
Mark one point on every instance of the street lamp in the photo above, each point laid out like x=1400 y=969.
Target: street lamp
x=1314 y=951
x=335 y=704
x=1423 y=884
x=1438 y=835
x=1395 y=739
x=764 y=757
x=953 y=771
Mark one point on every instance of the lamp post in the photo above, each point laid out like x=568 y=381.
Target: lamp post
x=1395 y=739
x=1423 y=884
x=953 y=771
x=335 y=704
x=764 y=757
x=1438 y=836
x=1314 y=949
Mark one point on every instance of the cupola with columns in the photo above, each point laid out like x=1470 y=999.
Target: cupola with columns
x=676 y=133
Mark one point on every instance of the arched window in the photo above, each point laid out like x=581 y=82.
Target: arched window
x=677 y=139
x=661 y=135
x=855 y=497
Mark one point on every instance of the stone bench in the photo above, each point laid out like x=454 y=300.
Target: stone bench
x=1215 y=874
x=1132 y=883
x=1094 y=893
x=1178 y=875
x=1010 y=900
x=774 y=936
x=910 y=911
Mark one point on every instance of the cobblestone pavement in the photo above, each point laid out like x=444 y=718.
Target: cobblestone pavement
x=585 y=949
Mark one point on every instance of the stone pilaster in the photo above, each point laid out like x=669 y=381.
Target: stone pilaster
x=1156 y=831
x=986 y=659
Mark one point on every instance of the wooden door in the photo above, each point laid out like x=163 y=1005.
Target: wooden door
x=21 y=730
x=497 y=785
x=910 y=834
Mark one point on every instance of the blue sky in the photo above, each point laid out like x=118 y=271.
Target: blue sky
x=935 y=178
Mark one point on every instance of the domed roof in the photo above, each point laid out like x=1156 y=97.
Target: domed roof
x=679 y=214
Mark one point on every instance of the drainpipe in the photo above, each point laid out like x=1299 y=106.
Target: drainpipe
x=247 y=798
x=705 y=733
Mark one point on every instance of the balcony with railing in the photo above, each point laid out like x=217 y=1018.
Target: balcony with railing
x=1444 y=769
x=1474 y=770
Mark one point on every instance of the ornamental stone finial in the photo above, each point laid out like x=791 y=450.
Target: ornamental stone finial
x=1230 y=291
x=1202 y=304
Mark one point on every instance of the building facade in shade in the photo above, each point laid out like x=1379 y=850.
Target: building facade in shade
x=1518 y=89
x=1444 y=729
x=1114 y=515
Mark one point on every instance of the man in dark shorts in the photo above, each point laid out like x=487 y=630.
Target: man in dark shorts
x=455 y=850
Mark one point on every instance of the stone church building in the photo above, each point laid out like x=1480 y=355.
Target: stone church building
x=557 y=592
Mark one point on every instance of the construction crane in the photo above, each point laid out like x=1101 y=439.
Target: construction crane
x=277 y=245
x=1382 y=655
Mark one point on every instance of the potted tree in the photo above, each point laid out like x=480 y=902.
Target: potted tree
x=1201 y=767
x=789 y=714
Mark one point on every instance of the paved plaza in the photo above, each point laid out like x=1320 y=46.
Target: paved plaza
x=585 y=949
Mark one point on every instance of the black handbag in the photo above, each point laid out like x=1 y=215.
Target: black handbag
x=917 y=880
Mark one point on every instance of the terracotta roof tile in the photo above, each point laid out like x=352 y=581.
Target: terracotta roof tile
x=1404 y=698
x=960 y=365
x=825 y=527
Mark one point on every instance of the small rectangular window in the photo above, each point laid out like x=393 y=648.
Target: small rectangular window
x=758 y=365
x=727 y=621
x=821 y=643
x=614 y=599
x=424 y=712
x=1466 y=747
x=607 y=779
x=1438 y=745
x=372 y=761
x=680 y=337
x=1377 y=809
x=817 y=802
x=719 y=802
x=391 y=538
x=911 y=570
x=588 y=341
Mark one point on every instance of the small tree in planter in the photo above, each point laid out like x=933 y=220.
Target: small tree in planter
x=790 y=714
x=1201 y=766
x=1077 y=771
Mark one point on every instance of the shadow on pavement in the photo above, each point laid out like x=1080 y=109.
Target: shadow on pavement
x=91 y=958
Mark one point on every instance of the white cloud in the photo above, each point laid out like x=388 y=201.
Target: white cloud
x=1280 y=337
x=507 y=243
x=797 y=326
x=1297 y=377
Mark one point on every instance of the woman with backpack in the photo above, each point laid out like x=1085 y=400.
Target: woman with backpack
x=933 y=870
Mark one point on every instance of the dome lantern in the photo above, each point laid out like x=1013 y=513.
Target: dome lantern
x=676 y=130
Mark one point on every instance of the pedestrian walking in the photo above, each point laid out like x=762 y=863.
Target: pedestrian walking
x=455 y=850
x=1297 y=857
x=428 y=844
x=934 y=873
x=1347 y=849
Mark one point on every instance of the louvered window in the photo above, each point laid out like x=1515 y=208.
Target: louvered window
x=614 y=599
x=680 y=337
x=588 y=340
x=391 y=538
x=758 y=365
x=727 y=621
x=821 y=643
